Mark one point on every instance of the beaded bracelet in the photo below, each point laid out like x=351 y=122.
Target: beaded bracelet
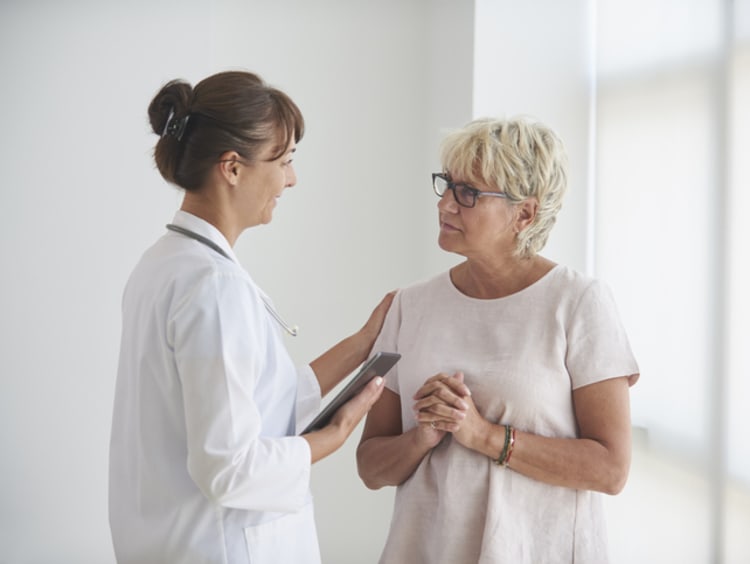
x=510 y=440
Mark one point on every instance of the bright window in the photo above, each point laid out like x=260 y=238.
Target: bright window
x=672 y=205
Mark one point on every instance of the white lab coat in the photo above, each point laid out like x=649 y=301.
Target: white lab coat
x=205 y=464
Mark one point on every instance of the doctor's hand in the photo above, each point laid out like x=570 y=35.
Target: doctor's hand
x=340 y=360
x=374 y=324
x=328 y=439
x=352 y=412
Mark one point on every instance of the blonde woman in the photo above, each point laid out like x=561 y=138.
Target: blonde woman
x=508 y=413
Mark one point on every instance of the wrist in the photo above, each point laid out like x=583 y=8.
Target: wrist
x=324 y=442
x=423 y=442
x=340 y=431
x=482 y=438
x=362 y=342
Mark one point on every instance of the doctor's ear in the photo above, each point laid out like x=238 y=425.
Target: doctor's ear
x=229 y=165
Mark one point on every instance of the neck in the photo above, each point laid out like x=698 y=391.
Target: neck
x=211 y=208
x=498 y=279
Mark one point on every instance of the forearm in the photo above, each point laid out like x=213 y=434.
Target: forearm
x=324 y=442
x=340 y=360
x=584 y=464
x=573 y=463
x=389 y=460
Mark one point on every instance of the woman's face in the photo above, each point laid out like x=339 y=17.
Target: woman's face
x=485 y=229
x=263 y=181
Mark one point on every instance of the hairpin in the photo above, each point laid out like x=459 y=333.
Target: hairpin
x=175 y=126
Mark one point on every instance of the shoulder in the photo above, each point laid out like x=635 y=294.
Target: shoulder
x=571 y=279
x=425 y=290
x=582 y=300
x=569 y=284
x=190 y=272
x=411 y=302
x=572 y=295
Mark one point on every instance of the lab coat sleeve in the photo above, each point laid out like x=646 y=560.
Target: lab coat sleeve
x=308 y=397
x=220 y=347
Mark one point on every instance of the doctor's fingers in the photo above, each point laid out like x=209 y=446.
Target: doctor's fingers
x=352 y=412
x=375 y=321
x=369 y=394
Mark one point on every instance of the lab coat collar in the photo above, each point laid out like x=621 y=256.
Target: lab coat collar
x=202 y=227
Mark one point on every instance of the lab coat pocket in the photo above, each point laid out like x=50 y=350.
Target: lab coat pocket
x=290 y=538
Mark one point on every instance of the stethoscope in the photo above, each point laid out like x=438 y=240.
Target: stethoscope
x=293 y=330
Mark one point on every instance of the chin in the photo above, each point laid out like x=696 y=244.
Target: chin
x=445 y=244
x=267 y=216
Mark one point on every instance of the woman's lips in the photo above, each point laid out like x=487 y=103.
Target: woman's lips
x=445 y=226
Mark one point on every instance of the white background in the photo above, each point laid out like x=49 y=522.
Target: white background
x=379 y=83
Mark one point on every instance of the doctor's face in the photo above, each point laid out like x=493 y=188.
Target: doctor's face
x=263 y=182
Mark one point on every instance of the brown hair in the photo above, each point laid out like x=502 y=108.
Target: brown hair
x=228 y=111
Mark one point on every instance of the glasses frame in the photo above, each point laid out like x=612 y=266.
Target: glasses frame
x=450 y=185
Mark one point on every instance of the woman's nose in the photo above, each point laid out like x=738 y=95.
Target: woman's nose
x=447 y=202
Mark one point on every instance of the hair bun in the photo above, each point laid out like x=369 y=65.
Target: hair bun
x=173 y=99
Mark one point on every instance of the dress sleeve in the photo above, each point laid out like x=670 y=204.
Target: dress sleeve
x=388 y=339
x=598 y=347
x=220 y=348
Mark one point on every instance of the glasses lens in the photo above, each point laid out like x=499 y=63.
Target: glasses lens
x=465 y=195
x=439 y=184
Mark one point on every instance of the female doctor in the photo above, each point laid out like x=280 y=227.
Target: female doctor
x=205 y=463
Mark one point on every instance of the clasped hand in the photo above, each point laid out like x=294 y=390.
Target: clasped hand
x=444 y=405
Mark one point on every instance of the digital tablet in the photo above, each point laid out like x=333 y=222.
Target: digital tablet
x=377 y=365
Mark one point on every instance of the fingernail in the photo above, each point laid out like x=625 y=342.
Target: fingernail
x=378 y=380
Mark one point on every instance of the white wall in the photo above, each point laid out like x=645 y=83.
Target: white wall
x=378 y=81
x=533 y=58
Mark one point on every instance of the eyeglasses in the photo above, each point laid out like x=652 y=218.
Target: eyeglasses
x=465 y=194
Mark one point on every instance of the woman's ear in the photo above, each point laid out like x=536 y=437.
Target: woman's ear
x=229 y=166
x=525 y=213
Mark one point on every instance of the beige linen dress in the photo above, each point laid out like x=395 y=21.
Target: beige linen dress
x=522 y=356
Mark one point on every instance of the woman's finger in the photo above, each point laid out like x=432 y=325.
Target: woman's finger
x=442 y=395
x=441 y=381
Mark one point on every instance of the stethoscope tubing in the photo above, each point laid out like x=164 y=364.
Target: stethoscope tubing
x=292 y=330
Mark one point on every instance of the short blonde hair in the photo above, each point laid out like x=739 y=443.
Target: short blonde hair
x=520 y=157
